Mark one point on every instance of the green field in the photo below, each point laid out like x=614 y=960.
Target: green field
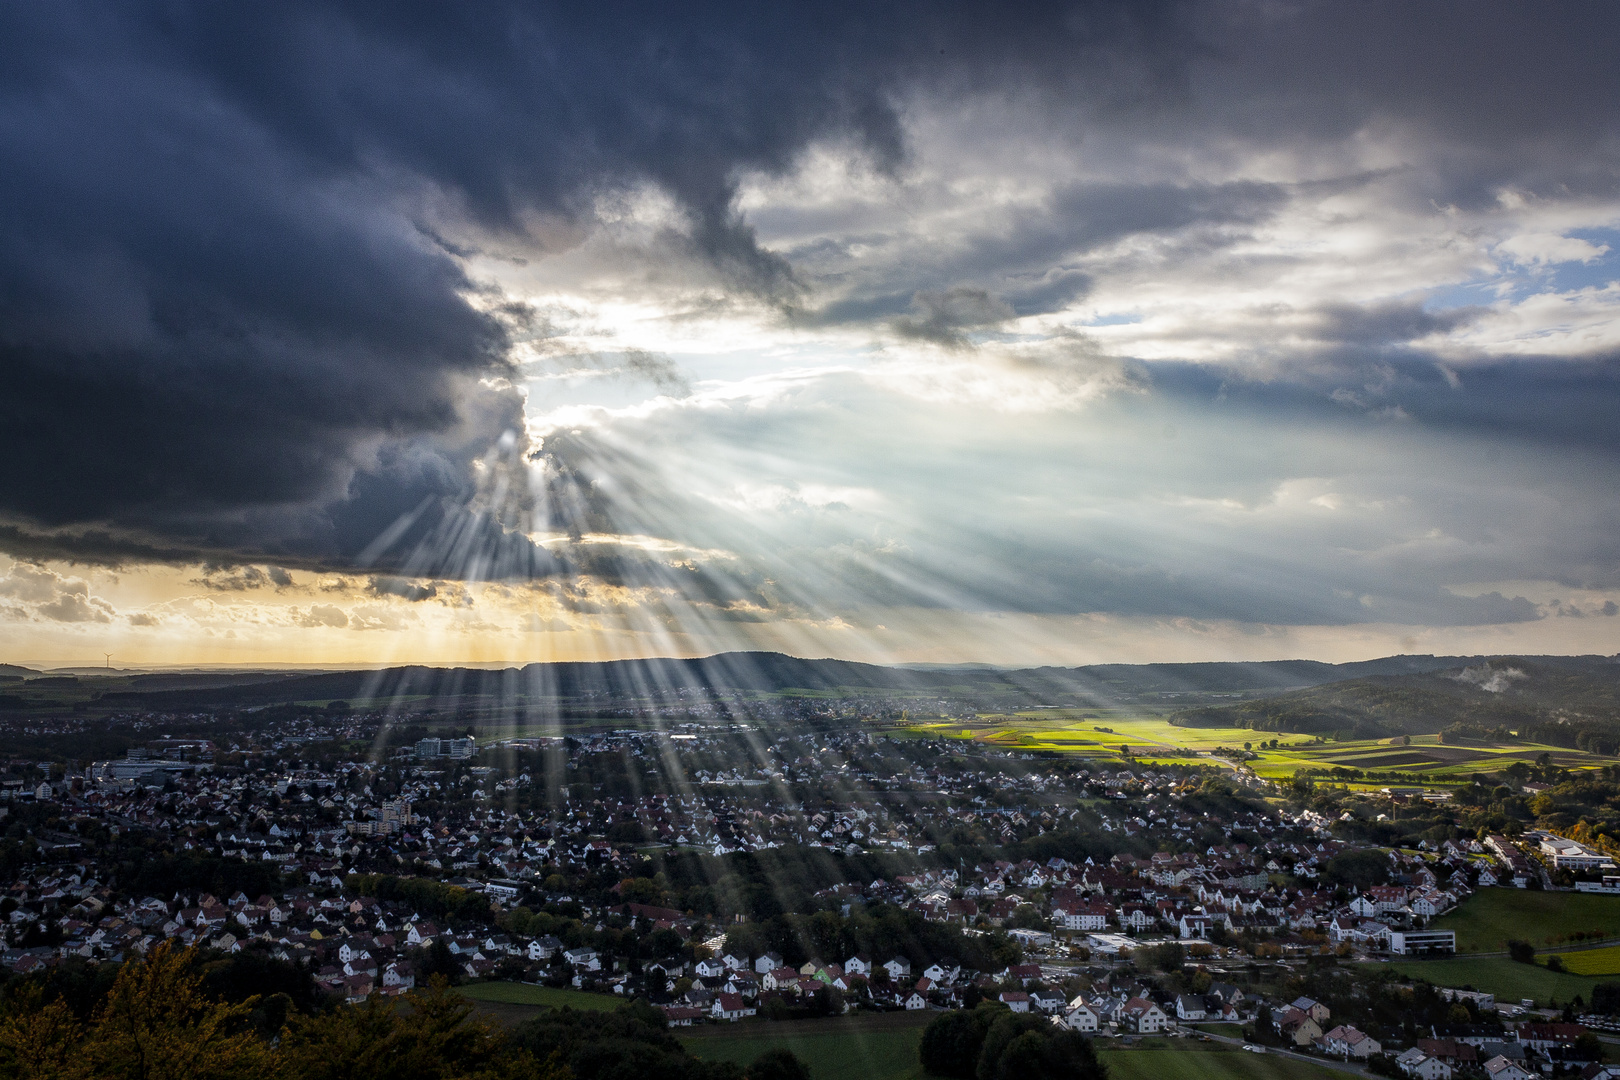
x=840 y=1055
x=1509 y=980
x=1202 y=1062
x=510 y=993
x=892 y=1055
x=1486 y=920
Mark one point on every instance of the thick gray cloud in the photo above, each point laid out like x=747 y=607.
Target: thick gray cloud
x=238 y=319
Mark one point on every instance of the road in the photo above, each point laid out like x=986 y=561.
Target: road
x=1331 y=1063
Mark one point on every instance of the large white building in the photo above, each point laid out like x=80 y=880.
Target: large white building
x=1417 y=942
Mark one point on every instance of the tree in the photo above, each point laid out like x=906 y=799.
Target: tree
x=1522 y=951
x=36 y=1040
x=1361 y=868
x=379 y=1041
x=953 y=1040
x=1023 y=1046
x=777 y=1064
x=157 y=1024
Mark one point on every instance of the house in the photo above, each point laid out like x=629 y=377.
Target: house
x=543 y=948
x=1143 y=1017
x=769 y=962
x=1549 y=1036
x=916 y=1001
x=1190 y=1007
x=1500 y=1068
x=1314 y=1009
x=681 y=1015
x=1346 y=1041
x=1297 y=1026
x=860 y=964
x=1420 y=1066
x=710 y=968
x=583 y=958
x=779 y=978
x=899 y=969
x=730 y=1007
x=1089 y=915
x=735 y=961
x=1080 y=1017
x=1024 y=973
x=1049 y=1002
x=1016 y=1000
x=399 y=975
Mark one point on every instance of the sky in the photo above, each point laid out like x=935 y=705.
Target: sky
x=1016 y=333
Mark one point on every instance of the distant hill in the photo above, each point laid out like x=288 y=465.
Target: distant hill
x=20 y=672
x=724 y=673
x=1537 y=695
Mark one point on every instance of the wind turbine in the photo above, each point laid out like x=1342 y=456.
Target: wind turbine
x=109 y=660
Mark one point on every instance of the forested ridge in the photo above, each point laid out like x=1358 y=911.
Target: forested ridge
x=1547 y=699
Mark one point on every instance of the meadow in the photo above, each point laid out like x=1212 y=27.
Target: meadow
x=1488 y=919
x=511 y=993
x=1203 y=1062
x=852 y=1054
x=891 y=1054
x=1509 y=980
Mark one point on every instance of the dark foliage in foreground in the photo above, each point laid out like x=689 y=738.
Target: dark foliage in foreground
x=176 y=1015
x=992 y=1043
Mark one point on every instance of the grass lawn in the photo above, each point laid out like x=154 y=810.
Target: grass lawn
x=511 y=993
x=851 y=1055
x=1207 y=1063
x=1509 y=980
x=1486 y=920
x=892 y=1055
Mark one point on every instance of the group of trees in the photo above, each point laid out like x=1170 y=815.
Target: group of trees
x=164 y=1018
x=990 y=1042
x=878 y=930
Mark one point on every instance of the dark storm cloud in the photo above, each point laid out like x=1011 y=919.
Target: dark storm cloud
x=234 y=323
x=227 y=321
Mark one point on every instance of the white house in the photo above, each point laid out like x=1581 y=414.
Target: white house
x=916 y=1001
x=1080 y=1017
x=1046 y=1001
x=1500 y=1068
x=1346 y=1041
x=730 y=1007
x=583 y=958
x=1143 y=1017
x=769 y=962
x=858 y=965
x=1415 y=1063
x=899 y=969
x=1190 y=1007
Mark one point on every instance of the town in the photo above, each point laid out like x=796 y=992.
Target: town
x=722 y=868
